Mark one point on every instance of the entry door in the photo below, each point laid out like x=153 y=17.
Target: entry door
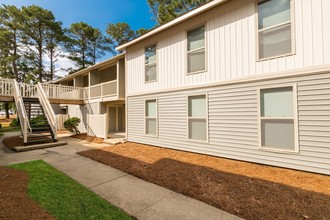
x=121 y=119
x=112 y=114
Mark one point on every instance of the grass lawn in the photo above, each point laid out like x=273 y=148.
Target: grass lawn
x=63 y=197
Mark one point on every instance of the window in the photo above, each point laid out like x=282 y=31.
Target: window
x=196 y=49
x=274 y=28
x=197 y=118
x=151 y=117
x=277 y=118
x=150 y=63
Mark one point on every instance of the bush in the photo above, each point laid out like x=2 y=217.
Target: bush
x=72 y=124
x=39 y=120
x=15 y=123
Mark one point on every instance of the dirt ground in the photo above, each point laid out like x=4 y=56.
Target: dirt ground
x=89 y=138
x=6 y=122
x=13 y=142
x=14 y=200
x=248 y=190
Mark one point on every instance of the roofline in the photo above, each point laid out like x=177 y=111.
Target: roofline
x=174 y=22
x=86 y=70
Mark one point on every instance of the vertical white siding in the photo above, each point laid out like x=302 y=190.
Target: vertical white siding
x=231 y=46
x=233 y=122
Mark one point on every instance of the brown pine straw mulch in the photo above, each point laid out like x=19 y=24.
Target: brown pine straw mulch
x=248 y=190
x=14 y=200
x=92 y=139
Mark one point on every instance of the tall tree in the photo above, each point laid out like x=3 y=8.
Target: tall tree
x=118 y=34
x=79 y=36
x=141 y=31
x=38 y=23
x=53 y=48
x=166 y=10
x=97 y=46
x=10 y=20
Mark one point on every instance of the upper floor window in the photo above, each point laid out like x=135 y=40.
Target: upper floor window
x=196 y=49
x=274 y=28
x=150 y=63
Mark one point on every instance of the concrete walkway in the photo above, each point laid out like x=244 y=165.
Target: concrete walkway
x=137 y=197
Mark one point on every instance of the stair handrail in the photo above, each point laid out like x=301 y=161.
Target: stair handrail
x=49 y=112
x=20 y=108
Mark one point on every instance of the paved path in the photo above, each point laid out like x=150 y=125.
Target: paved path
x=137 y=197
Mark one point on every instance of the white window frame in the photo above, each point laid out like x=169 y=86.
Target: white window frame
x=149 y=64
x=195 y=50
x=206 y=117
x=146 y=117
x=293 y=33
x=294 y=118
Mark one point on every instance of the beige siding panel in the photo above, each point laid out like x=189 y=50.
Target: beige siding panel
x=233 y=123
x=231 y=46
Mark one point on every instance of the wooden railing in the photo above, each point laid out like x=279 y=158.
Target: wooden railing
x=64 y=92
x=103 y=90
x=6 y=87
x=24 y=121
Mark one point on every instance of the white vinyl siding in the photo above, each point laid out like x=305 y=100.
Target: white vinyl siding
x=233 y=122
x=151 y=117
x=277 y=119
x=196 y=56
x=197 y=118
x=274 y=28
x=231 y=36
x=151 y=63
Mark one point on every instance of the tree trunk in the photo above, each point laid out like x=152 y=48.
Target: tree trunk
x=7 y=110
x=15 y=57
x=51 y=65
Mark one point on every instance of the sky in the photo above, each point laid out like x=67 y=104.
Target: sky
x=97 y=13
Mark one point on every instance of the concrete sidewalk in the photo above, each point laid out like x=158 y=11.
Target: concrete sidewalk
x=137 y=197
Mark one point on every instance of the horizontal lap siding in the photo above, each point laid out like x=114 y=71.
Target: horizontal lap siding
x=233 y=123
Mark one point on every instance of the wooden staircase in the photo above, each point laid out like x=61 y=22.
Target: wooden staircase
x=40 y=128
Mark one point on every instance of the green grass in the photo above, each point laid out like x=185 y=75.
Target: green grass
x=63 y=197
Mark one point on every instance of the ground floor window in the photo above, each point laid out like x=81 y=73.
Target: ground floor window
x=151 y=117
x=278 y=118
x=197 y=118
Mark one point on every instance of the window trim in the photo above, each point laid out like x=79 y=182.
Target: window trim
x=195 y=50
x=145 y=117
x=206 y=117
x=296 y=149
x=293 y=32
x=149 y=64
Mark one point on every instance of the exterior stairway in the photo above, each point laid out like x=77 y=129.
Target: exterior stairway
x=41 y=129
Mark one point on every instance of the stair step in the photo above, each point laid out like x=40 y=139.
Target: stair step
x=41 y=141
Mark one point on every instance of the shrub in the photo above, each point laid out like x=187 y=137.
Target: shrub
x=72 y=124
x=39 y=120
x=15 y=123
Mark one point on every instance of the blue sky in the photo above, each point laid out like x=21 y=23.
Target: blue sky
x=97 y=13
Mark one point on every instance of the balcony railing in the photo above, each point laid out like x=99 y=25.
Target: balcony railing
x=103 y=90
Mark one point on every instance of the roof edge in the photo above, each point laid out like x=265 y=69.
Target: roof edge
x=172 y=23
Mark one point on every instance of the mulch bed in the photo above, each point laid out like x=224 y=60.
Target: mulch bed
x=248 y=190
x=13 y=142
x=14 y=200
x=92 y=139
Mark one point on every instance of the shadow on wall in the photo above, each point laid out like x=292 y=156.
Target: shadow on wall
x=249 y=198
